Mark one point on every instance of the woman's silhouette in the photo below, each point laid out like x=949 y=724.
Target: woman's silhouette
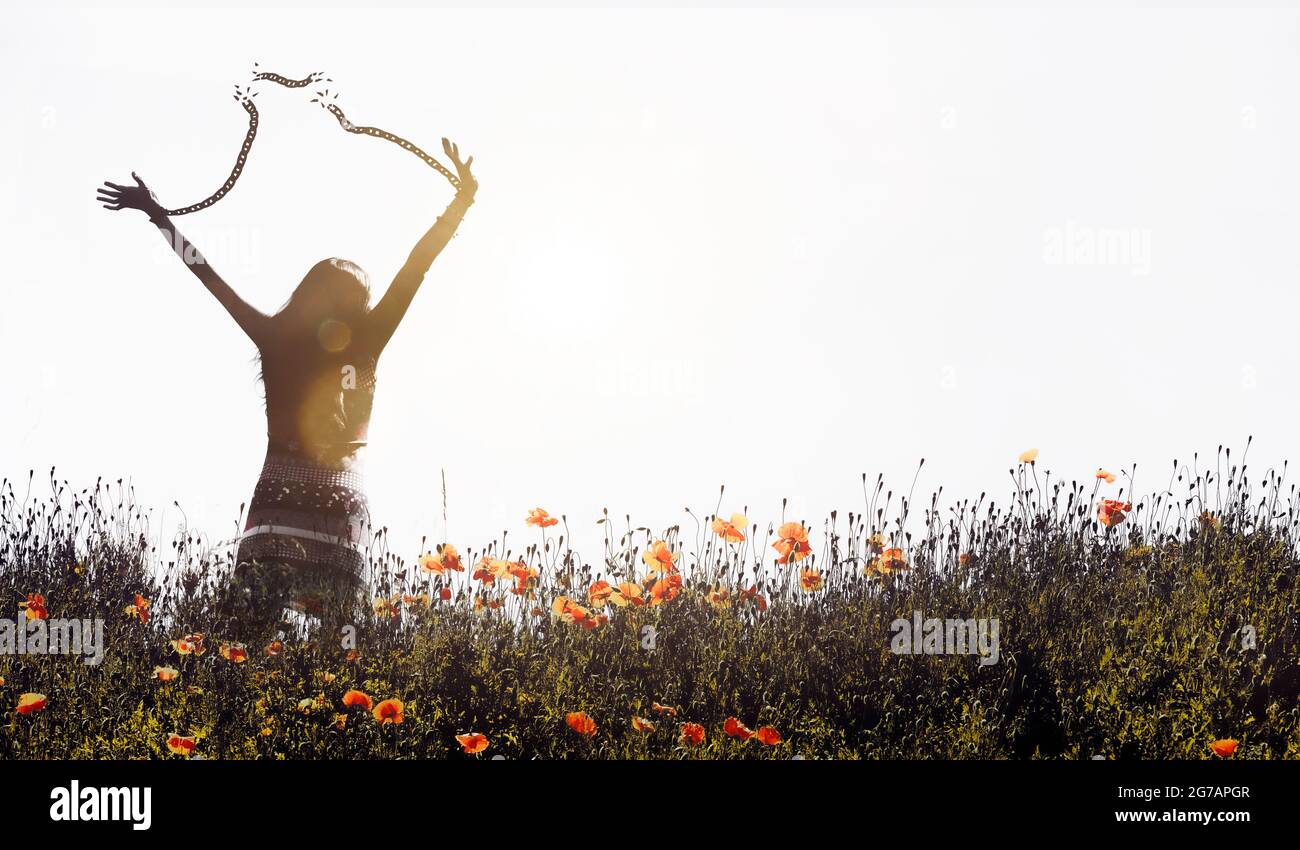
x=308 y=518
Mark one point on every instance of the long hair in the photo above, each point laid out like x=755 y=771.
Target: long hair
x=343 y=281
x=341 y=284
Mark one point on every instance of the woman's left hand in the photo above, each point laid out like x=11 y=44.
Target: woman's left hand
x=468 y=183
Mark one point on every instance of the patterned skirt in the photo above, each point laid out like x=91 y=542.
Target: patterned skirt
x=310 y=521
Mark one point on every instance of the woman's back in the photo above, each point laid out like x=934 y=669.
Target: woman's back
x=318 y=400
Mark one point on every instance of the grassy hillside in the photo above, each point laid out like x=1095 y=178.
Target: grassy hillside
x=1171 y=627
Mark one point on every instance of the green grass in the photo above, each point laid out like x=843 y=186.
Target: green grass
x=1122 y=642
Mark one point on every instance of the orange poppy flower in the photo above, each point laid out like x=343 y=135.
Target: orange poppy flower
x=274 y=648
x=692 y=734
x=731 y=530
x=418 y=601
x=810 y=580
x=541 y=518
x=660 y=560
x=569 y=611
x=234 y=652
x=447 y=560
x=752 y=595
x=1112 y=512
x=189 y=645
x=444 y=594
x=579 y=722
x=491 y=569
x=389 y=711
x=768 y=735
x=386 y=608
x=181 y=745
x=792 y=543
x=139 y=609
x=663 y=709
x=665 y=590
x=964 y=559
x=1108 y=477
x=628 y=593
x=473 y=742
x=1029 y=456
x=524 y=576
x=719 y=597
x=1224 y=748
x=32 y=703
x=600 y=592
x=357 y=698
x=165 y=674
x=640 y=724
x=35 y=607
x=888 y=561
x=352 y=656
x=735 y=729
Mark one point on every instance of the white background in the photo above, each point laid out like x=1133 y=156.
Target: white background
x=772 y=249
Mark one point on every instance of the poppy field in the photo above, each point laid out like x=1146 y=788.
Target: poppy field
x=1165 y=626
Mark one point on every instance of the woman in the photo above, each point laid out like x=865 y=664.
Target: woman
x=302 y=545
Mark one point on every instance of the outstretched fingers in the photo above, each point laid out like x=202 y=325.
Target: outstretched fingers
x=109 y=196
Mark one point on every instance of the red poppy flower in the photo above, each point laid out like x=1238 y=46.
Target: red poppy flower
x=541 y=518
x=665 y=589
x=139 y=609
x=473 y=742
x=768 y=735
x=447 y=560
x=32 y=703
x=389 y=711
x=736 y=729
x=35 y=607
x=810 y=580
x=1224 y=748
x=355 y=697
x=579 y=722
x=752 y=595
x=693 y=734
x=792 y=543
x=731 y=530
x=660 y=560
x=1112 y=512
x=181 y=745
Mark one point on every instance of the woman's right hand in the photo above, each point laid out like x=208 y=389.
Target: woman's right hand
x=468 y=183
x=137 y=197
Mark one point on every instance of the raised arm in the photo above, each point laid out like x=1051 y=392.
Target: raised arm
x=138 y=197
x=388 y=313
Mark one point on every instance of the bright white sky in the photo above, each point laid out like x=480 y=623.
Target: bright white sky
x=771 y=249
